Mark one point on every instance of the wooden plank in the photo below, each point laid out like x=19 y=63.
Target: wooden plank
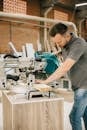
x=42 y=87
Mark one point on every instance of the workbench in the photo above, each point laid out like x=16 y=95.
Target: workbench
x=34 y=114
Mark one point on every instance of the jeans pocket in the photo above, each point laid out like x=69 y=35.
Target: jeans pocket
x=80 y=93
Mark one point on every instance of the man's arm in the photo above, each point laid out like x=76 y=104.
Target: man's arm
x=61 y=71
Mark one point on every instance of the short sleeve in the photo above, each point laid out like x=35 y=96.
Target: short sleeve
x=77 y=50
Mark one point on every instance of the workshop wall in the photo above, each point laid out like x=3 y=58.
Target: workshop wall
x=67 y=2
x=19 y=33
x=14 y=6
x=62 y=14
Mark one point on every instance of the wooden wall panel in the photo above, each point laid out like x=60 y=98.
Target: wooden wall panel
x=20 y=35
x=4 y=37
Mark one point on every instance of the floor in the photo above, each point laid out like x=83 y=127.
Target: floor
x=67 y=109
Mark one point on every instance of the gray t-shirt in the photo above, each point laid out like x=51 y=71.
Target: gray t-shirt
x=76 y=49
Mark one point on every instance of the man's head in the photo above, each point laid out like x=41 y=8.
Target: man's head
x=59 y=34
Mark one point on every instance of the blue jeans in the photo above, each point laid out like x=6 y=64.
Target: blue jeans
x=79 y=109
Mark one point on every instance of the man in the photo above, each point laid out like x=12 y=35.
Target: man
x=74 y=51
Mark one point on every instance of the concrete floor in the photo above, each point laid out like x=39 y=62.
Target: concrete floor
x=67 y=109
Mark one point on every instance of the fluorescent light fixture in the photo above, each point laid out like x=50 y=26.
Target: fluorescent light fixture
x=81 y=4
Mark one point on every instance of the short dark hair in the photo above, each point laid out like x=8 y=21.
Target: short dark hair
x=58 y=28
